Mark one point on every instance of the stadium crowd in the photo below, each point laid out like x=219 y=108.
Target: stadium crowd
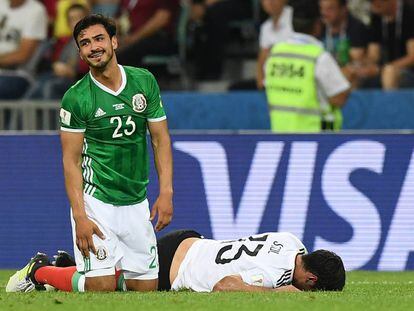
x=372 y=41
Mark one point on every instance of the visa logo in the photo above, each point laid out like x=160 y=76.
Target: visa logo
x=343 y=198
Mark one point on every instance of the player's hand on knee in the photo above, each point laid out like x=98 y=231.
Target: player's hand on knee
x=85 y=228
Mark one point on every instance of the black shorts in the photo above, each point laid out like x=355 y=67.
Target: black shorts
x=167 y=245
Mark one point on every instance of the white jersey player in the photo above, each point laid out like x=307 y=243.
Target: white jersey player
x=263 y=260
x=274 y=261
x=270 y=261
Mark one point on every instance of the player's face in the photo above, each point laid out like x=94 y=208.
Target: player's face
x=303 y=279
x=331 y=11
x=96 y=48
x=304 y=283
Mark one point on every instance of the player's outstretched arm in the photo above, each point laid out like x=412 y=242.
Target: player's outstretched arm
x=235 y=283
x=161 y=144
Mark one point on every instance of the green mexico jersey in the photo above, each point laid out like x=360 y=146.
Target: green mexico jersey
x=114 y=156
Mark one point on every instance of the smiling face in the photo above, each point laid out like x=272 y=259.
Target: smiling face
x=96 y=48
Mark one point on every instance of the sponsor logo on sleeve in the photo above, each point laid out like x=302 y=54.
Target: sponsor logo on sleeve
x=65 y=116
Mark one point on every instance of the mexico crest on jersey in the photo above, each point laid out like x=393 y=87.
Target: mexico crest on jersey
x=139 y=103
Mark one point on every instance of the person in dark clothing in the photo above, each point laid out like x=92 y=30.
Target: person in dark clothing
x=390 y=60
x=344 y=36
x=211 y=35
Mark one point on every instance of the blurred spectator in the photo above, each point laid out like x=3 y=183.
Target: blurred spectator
x=50 y=6
x=390 y=58
x=360 y=9
x=305 y=87
x=105 y=7
x=213 y=18
x=344 y=36
x=66 y=66
x=277 y=28
x=61 y=28
x=151 y=30
x=23 y=26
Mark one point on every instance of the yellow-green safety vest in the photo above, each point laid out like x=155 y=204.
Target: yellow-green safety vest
x=292 y=93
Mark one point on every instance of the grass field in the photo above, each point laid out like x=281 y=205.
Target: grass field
x=364 y=291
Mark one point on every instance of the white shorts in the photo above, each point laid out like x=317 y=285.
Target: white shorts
x=129 y=245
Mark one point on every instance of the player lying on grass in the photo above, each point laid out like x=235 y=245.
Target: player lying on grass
x=263 y=262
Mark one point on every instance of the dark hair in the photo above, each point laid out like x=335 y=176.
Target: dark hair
x=305 y=14
x=328 y=267
x=95 y=19
x=342 y=2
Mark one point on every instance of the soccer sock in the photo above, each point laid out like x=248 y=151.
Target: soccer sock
x=66 y=279
x=120 y=281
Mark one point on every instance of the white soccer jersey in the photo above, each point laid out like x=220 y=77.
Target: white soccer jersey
x=266 y=259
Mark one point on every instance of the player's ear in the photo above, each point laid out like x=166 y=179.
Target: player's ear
x=80 y=54
x=311 y=279
x=114 y=41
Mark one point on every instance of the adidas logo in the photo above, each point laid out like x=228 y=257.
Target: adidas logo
x=99 y=113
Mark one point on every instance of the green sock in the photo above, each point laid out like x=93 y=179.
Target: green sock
x=120 y=284
x=78 y=282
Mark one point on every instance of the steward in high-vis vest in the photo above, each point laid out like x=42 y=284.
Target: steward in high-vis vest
x=305 y=87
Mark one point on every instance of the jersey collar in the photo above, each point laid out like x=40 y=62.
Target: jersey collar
x=108 y=90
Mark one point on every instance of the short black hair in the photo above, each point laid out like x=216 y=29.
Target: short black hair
x=95 y=19
x=305 y=14
x=328 y=267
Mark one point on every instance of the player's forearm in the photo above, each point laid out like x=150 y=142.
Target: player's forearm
x=74 y=188
x=163 y=163
x=235 y=283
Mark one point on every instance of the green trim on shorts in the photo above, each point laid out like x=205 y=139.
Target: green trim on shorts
x=75 y=281
x=87 y=264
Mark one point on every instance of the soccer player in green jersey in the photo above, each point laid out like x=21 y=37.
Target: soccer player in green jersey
x=104 y=120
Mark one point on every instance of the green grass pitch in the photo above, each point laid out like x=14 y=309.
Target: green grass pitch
x=364 y=291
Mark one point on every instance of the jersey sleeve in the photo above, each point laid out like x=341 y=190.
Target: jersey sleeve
x=329 y=76
x=70 y=114
x=256 y=277
x=155 y=110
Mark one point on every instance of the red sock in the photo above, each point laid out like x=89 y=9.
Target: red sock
x=60 y=278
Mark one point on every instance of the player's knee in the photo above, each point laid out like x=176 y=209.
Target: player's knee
x=222 y=285
x=100 y=284
x=142 y=285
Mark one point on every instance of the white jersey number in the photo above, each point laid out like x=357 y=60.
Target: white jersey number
x=129 y=122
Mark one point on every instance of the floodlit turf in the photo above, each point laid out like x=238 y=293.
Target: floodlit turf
x=364 y=291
